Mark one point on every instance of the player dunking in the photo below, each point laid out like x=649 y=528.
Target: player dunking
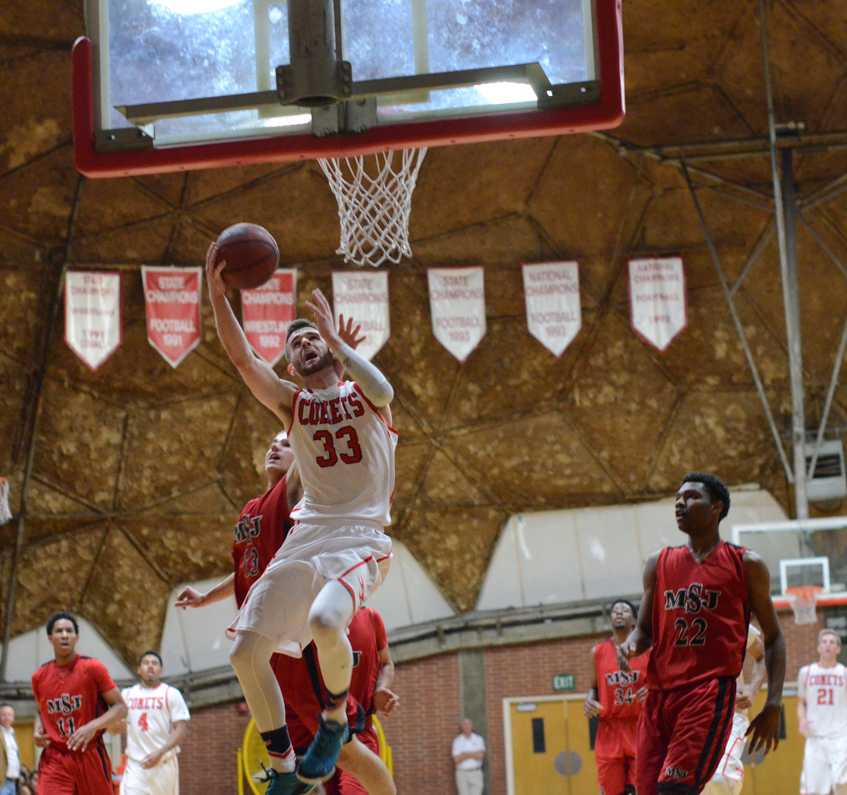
x=615 y=698
x=76 y=700
x=695 y=612
x=822 y=714
x=337 y=554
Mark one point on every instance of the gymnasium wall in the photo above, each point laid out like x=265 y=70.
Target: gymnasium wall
x=423 y=728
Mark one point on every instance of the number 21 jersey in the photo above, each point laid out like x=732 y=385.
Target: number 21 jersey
x=826 y=699
x=345 y=452
x=700 y=616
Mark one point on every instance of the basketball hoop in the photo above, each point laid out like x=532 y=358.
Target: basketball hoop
x=803 y=601
x=5 y=511
x=374 y=195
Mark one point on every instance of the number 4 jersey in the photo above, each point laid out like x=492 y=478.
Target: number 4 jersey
x=345 y=453
x=151 y=714
x=700 y=616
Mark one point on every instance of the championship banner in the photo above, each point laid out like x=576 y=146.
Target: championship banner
x=657 y=304
x=172 y=306
x=457 y=304
x=266 y=313
x=553 y=311
x=93 y=315
x=364 y=297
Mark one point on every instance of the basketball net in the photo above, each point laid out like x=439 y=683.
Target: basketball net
x=5 y=510
x=374 y=196
x=803 y=600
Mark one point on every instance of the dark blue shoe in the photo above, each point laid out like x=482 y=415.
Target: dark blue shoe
x=318 y=763
x=285 y=784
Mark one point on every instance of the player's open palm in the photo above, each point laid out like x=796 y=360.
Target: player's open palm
x=764 y=730
x=214 y=273
x=190 y=597
x=82 y=737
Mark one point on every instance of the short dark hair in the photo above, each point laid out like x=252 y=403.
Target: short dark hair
x=58 y=617
x=296 y=325
x=714 y=485
x=151 y=653
x=626 y=602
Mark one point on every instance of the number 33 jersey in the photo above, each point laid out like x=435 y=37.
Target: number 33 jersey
x=345 y=452
x=700 y=616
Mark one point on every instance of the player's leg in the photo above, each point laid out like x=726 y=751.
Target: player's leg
x=329 y=616
x=729 y=777
x=362 y=772
x=837 y=753
x=251 y=661
x=611 y=775
x=816 y=778
x=651 y=744
x=701 y=720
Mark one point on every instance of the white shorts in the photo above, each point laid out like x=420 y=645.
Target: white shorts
x=277 y=605
x=160 y=780
x=824 y=765
x=729 y=775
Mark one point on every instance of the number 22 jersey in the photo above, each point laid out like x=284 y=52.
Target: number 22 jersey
x=345 y=452
x=700 y=616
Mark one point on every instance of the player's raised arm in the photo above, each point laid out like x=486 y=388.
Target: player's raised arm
x=369 y=377
x=267 y=387
x=764 y=728
x=191 y=597
x=641 y=638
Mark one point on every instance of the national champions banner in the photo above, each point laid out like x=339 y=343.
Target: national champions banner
x=93 y=315
x=364 y=297
x=172 y=306
x=657 y=303
x=553 y=312
x=266 y=313
x=457 y=305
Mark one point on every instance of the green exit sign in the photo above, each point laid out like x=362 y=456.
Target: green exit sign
x=564 y=682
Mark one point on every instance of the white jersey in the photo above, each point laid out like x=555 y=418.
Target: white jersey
x=825 y=693
x=752 y=635
x=151 y=715
x=345 y=453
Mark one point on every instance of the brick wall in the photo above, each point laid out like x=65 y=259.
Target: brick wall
x=423 y=728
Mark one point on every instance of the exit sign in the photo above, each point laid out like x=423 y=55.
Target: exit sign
x=564 y=682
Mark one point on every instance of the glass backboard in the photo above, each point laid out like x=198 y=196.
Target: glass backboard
x=163 y=85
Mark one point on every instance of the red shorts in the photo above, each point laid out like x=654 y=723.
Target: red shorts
x=681 y=736
x=615 y=755
x=64 y=772
x=300 y=682
x=343 y=783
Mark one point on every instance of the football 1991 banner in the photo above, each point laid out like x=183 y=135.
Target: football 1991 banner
x=457 y=305
x=553 y=313
x=364 y=297
x=266 y=313
x=657 y=305
x=93 y=315
x=172 y=306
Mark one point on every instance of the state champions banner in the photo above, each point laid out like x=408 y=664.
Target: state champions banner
x=364 y=297
x=93 y=315
x=657 y=302
x=457 y=305
x=267 y=312
x=553 y=311
x=172 y=307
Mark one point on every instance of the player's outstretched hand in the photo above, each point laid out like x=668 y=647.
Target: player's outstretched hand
x=214 y=273
x=190 y=597
x=385 y=701
x=82 y=737
x=592 y=708
x=764 y=730
x=323 y=317
x=624 y=652
x=349 y=332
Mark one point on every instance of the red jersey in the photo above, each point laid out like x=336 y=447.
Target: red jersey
x=616 y=689
x=69 y=696
x=368 y=638
x=700 y=616
x=262 y=526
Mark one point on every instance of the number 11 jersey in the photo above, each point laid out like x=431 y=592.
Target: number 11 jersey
x=345 y=452
x=700 y=617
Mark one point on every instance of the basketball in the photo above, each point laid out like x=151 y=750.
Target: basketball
x=251 y=255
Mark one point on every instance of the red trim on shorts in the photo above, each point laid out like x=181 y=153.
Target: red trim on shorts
x=368 y=559
x=350 y=591
x=375 y=409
